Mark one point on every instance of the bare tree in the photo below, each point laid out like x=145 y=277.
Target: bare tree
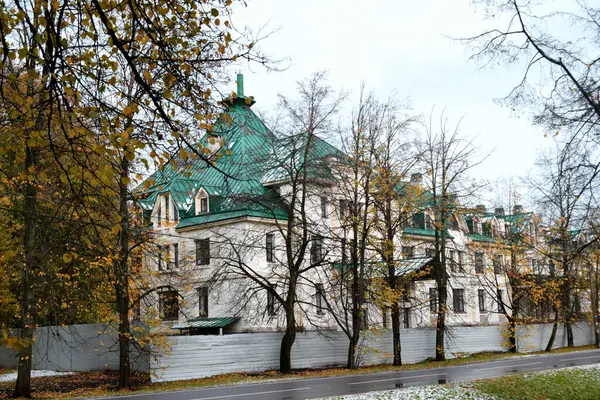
x=297 y=175
x=561 y=189
x=447 y=157
x=561 y=78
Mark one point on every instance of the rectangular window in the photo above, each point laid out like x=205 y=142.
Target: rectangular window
x=203 y=204
x=452 y=260
x=481 y=296
x=269 y=247
x=498 y=264
x=534 y=266
x=168 y=304
x=458 y=298
x=166 y=198
x=459 y=261
x=175 y=255
x=433 y=306
x=428 y=222
x=203 y=252
x=418 y=220
x=343 y=207
x=324 y=207
x=406 y=317
x=408 y=251
x=316 y=249
x=271 y=299
x=479 y=263
x=162 y=256
x=203 y=302
x=319 y=299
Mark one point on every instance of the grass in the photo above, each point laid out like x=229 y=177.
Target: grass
x=572 y=384
x=103 y=384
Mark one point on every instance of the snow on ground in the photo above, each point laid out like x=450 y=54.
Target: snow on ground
x=419 y=393
x=443 y=392
x=12 y=376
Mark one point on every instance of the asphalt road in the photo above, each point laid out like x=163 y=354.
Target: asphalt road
x=295 y=389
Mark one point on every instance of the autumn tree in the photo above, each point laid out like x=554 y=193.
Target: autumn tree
x=562 y=189
x=69 y=55
x=394 y=199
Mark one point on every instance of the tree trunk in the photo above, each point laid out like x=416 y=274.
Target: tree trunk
x=23 y=384
x=397 y=349
x=594 y=301
x=285 y=355
x=353 y=344
x=440 y=353
x=355 y=337
x=122 y=279
x=553 y=335
x=569 y=326
x=512 y=333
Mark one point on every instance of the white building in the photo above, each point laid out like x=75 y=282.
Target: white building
x=221 y=231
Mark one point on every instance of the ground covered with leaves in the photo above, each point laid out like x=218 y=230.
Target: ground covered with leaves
x=79 y=384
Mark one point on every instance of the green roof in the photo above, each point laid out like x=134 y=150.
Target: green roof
x=423 y=232
x=412 y=265
x=226 y=215
x=250 y=158
x=482 y=238
x=201 y=323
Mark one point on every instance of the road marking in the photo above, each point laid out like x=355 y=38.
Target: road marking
x=252 y=394
x=581 y=358
x=508 y=366
x=397 y=378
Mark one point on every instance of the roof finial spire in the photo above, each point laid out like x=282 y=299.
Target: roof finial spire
x=240 y=84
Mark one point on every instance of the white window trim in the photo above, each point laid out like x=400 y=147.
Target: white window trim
x=202 y=194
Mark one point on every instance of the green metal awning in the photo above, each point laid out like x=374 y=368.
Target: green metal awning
x=412 y=264
x=202 y=323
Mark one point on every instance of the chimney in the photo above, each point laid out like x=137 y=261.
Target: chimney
x=416 y=177
x=518 y=209
x=499 y=211
x=480 y=207
x=240 y=85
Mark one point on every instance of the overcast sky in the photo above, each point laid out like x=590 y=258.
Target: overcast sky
x=401 y=46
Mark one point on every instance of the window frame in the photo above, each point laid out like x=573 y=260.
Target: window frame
x=202 y=253
x=433 y=300
x=203 y=306
x=482 y=300
x=269 y=247
x=319 y=297
x=458 y=301
x=479 y=261
x=271 y=300
x=316 y=249
x=498 y=263
x=324 y=208
x=174 y=309
x=406 y=317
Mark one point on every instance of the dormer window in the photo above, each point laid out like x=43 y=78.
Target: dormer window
x=202 y=205
x=164 y=209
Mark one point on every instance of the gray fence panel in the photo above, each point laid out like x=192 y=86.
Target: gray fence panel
x=201 y=356
x=535 y=337
x=91 y=347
